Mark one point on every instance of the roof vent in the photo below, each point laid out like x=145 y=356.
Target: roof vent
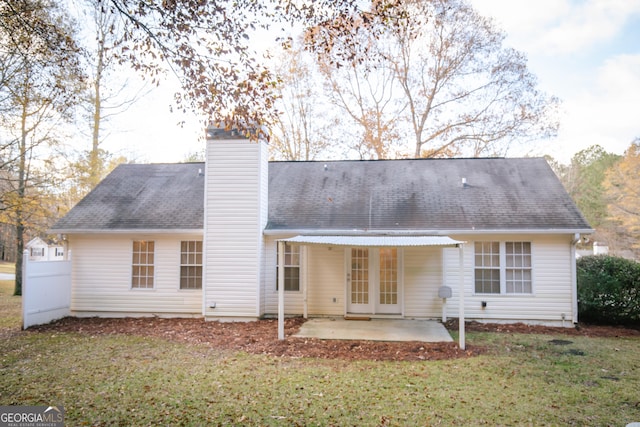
x=326 y=167
x=464 y=183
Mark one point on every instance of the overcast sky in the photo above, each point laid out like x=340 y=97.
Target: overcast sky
x=586 y=52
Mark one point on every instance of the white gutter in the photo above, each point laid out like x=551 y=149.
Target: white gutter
x=363 y=232
x=373 y=241
x=129 y=231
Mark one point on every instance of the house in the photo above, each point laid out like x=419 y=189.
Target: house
x=375 y=238
x=39 y=250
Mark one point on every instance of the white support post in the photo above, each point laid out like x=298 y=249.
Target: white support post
x=305 y=280
x=280 y=290
x=461 y=337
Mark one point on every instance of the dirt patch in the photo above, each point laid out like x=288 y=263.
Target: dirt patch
x=584 y=330
x=260 y=337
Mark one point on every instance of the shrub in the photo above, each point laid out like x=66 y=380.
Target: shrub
x=608 y=290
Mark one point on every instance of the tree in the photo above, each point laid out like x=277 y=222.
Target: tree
x=584 y=181
x=299 y=129
x=212 y=48
x=39 y=58
x=622 y=184
x=364 y=90
x=108 y=35
x=458 y=89
x=107 y=94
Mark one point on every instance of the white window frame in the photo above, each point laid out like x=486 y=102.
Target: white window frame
x=192 y=261
x=287 y=251
x=503 y=268
x=143 y=265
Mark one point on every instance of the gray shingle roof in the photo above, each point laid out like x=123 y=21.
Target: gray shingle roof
x=424 y=194
x=141 y=197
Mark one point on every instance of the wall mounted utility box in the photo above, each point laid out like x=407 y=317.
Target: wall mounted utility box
x=445 y=292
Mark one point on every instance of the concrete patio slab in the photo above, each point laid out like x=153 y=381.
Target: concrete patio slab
x=375 y=330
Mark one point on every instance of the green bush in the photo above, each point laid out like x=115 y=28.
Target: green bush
x=608 y=290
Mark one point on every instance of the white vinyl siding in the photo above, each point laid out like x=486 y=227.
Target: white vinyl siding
x=422 y=278
x=425 y=269
x=235 y=201
x=550 y=298
x=102 y=271
x=324 y=273
x=321 y=272
x=293 y=301
x=326 y=280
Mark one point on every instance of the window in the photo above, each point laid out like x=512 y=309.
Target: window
x=503 y=268
x=191 y=264
x=291 y=268
x=487 y=270
x=518 y=267
x=37 y=251
x=143 y=259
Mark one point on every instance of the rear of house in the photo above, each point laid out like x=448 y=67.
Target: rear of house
x=136 y=243
x=366 y=238
x=404 y=282
x=510 y=220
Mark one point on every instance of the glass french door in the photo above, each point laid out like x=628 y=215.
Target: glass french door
x=373 y=282
x=358 y=282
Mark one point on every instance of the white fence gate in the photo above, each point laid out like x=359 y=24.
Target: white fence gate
x=46 y=291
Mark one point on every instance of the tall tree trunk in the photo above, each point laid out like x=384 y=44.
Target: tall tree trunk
x=95 y=164
x=22 y=179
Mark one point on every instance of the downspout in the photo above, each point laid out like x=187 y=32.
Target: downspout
x=574 y=279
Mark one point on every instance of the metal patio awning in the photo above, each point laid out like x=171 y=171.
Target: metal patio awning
x=375 y=241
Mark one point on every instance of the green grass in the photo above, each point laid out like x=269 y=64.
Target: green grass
x=129 y=380
x=10 y=306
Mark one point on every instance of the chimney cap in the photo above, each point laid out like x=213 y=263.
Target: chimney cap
x=220 y=132
x=214 y=132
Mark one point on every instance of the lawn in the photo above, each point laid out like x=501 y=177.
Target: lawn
x=522 y=379
x=10 y=306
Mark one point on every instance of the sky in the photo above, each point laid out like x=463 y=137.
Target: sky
x=585 y=52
